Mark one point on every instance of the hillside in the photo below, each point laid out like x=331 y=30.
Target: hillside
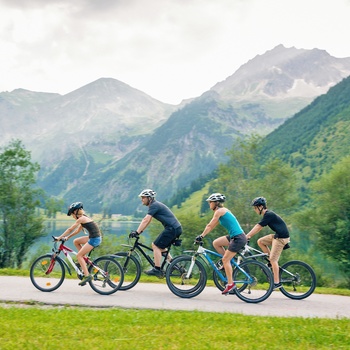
x=317 y=137
x=104 y=142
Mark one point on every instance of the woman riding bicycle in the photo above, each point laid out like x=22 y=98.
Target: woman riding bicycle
x=84 y=244
x=235 y=240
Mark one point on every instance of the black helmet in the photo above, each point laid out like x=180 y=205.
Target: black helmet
x=256 y=202
x=216 y=197
x=74 y=206
x=147 y=193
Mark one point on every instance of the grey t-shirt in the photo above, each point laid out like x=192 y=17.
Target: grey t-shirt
x=163 y=214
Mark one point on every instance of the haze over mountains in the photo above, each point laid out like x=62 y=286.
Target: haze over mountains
x=106 y=141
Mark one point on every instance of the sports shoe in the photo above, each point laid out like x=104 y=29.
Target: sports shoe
x=228 y=288
x=277 y=286
x=154 y=272
x=85 y=280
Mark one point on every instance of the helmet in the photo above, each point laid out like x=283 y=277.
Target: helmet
x=147 y=193
x=256 y=202
x=216 y=197
x=74 y=206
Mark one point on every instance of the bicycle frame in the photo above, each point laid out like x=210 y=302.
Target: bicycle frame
x=138 y=247
x=206 y=253
x=66 y=251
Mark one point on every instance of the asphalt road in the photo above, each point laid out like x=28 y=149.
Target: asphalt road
x=158 y=296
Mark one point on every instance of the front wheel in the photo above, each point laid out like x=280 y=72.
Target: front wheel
x=131 y=268
x=107 y=275
x=47 y=273
x=186 y=278
x=254 y=281
x=298 y=279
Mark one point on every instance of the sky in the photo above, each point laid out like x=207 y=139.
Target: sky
x=169 y=49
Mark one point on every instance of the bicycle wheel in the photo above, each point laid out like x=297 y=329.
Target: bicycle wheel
x=182 y=285
x=107 y=275
x=47 y=274
x=298 y=279
x=253 y=280
x=131 y=268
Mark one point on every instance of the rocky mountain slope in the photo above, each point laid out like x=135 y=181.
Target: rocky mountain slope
x=106 y=141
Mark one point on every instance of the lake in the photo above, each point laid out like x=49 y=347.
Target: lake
x=118 y=228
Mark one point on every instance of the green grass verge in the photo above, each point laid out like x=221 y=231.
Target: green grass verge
x=36 y=327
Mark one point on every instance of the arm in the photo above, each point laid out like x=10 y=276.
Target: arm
x=144 y=223
x=257 y=228
x=72 y=231
x=213 y=223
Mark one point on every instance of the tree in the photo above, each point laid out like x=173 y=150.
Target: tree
x=328 y=214
x=244 y=177
x=20 y=225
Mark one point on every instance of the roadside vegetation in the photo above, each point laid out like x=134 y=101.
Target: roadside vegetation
x=40 y=327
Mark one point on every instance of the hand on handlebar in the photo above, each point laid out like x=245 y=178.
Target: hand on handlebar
x=198 y=239
x=134 y=234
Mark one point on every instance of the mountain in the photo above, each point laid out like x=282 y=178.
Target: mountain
x=317 y=137
x=108 y=115
x=106 y=141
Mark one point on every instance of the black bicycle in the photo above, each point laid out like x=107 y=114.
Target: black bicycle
x=297 y=277
x=131 y=260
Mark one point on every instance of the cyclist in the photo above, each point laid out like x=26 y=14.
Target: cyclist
x=235 y=240
x=278 y=241
x=172 y=228
x=83 y=244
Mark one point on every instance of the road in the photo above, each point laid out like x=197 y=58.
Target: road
x=158 y=296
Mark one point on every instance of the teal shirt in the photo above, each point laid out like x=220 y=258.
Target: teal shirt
x=231 y=224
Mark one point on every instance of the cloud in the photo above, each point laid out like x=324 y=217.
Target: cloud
x=170 y=49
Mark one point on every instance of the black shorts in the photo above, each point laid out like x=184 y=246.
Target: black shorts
x=237 y=242
x=167 y=236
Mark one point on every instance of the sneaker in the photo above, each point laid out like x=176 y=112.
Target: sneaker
x=277 y=286
x=154 y=272
x=228 y=288
x=85 y=280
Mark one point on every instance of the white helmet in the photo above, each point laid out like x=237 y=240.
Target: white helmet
x=216 y=197
x=147 y=193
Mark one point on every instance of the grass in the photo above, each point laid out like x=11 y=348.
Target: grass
x=37 y=327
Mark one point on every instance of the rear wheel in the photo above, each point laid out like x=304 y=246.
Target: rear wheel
x=183 y=282
x=107 y=275
x=47 y=273
x=254 y=281
x=131 y=268
x=298 y=279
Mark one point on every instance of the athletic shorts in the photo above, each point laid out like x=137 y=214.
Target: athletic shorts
x=95 y=242
x=167 y=236
x=276 y=244
x=236 y=242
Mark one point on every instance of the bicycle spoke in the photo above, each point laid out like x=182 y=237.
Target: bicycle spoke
x=46 y=274
x=107 y=275
x=298 y=279
x=254 y=283
x=183 y=280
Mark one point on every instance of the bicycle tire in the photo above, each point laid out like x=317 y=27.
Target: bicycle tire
x=177 y=281
x=298 y=280
x=110 y=279
x=131 y=269
x=47 y=274
x=258 y=286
